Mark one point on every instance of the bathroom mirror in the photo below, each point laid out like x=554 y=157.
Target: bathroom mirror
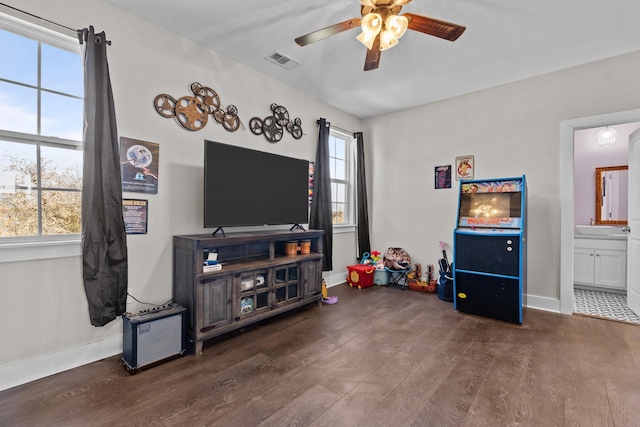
x=612 y=195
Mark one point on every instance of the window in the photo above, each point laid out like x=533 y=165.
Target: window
x=41 y=99
x=341 y=167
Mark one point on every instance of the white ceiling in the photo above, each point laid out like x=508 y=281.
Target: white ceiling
x=505 y=41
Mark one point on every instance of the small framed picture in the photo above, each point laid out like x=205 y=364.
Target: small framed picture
x=134 y=213
x=442 y=177
x=464 y=167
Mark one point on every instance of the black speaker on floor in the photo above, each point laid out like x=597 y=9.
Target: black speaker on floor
x=153 y=336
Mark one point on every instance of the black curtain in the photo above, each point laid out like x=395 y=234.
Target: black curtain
x=104 y=245
x=364 y=244
x=320 y=216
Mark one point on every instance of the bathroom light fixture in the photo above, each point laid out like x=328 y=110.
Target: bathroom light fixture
x=607 y=136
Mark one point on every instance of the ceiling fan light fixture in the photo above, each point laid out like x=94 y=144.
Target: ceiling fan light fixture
x=607 y=136
x=371 y=24
x=370 y=3
x=397 y=25
x=366 y=39
x=387 y=40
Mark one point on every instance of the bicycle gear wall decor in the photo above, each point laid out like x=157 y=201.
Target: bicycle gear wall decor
x=192 y=112
x=273 y=127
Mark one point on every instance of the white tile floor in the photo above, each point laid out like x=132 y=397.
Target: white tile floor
x=603 y=304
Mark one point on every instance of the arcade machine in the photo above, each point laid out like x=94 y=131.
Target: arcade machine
x=489 y=248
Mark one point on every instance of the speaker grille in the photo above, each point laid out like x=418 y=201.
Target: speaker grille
x=159 y=339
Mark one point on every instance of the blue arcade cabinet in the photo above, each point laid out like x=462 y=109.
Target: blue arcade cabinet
x=489 y=248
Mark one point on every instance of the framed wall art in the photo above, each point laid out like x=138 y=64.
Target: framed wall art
x=135 y=215
x=442 y=177
x=464 y=167
x=139 y=165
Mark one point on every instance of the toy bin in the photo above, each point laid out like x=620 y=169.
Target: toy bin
x=360 y=275
x=381 y=277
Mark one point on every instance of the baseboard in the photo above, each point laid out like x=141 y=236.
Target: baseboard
x=543 y=303
x=25 y=371
x=335 y=279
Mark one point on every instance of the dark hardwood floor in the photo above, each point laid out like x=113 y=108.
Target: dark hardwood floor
x=379 y=357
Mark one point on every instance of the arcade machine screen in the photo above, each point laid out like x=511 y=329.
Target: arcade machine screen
x=495 y=204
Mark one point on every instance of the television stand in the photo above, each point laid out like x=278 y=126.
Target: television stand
x=297 y=226
x=259 y=279
x=220 y=230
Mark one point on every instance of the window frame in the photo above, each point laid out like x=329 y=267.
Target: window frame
x=349 y=181
x=21 y=248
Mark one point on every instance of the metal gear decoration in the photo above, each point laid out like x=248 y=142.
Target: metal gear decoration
x=192 y=111
x=274 y=126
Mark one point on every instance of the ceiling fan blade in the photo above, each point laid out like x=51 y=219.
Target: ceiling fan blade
x=434 y=27
x=372 y=60
x=328 y=31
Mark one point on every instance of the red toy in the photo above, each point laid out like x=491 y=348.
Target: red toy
x=360 y=275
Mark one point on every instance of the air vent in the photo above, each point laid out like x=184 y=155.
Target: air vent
x=282 y=60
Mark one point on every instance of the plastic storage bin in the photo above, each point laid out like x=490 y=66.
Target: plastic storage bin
x=360 y=275
x=381 y=277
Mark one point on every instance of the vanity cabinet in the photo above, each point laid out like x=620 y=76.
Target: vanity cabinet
x=600 y=262
x=258 y=279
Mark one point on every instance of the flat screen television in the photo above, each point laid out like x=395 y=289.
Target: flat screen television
x=244 y=187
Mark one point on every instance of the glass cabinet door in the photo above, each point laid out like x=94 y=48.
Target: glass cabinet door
x=286 y=284
x=254 y=293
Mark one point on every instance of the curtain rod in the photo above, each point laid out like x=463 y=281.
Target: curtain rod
x=38 y=17
x=49 y=21
x=337 y=128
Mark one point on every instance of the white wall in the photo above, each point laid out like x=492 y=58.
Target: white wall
x=45 y=311
x=511 y=130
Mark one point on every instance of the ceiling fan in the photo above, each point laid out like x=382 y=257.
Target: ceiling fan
x=382 y=26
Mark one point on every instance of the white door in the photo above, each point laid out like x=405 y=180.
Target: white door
x=633 y=243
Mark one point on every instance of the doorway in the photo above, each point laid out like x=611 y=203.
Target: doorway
x=600 y=289
x=567 y=130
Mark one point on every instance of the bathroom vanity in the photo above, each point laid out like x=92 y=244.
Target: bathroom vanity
x=600 y=261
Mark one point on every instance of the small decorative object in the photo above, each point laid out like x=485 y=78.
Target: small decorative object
x=246 y=305
x=273 y=127
x=442 y=177
x=326 y=299
x=192 y=112
x=464 y=167
x=305 y=247
x=291 y=248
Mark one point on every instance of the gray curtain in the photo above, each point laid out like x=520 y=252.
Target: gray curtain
x=104 y=244
x=364 y=244
x=320 y=216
